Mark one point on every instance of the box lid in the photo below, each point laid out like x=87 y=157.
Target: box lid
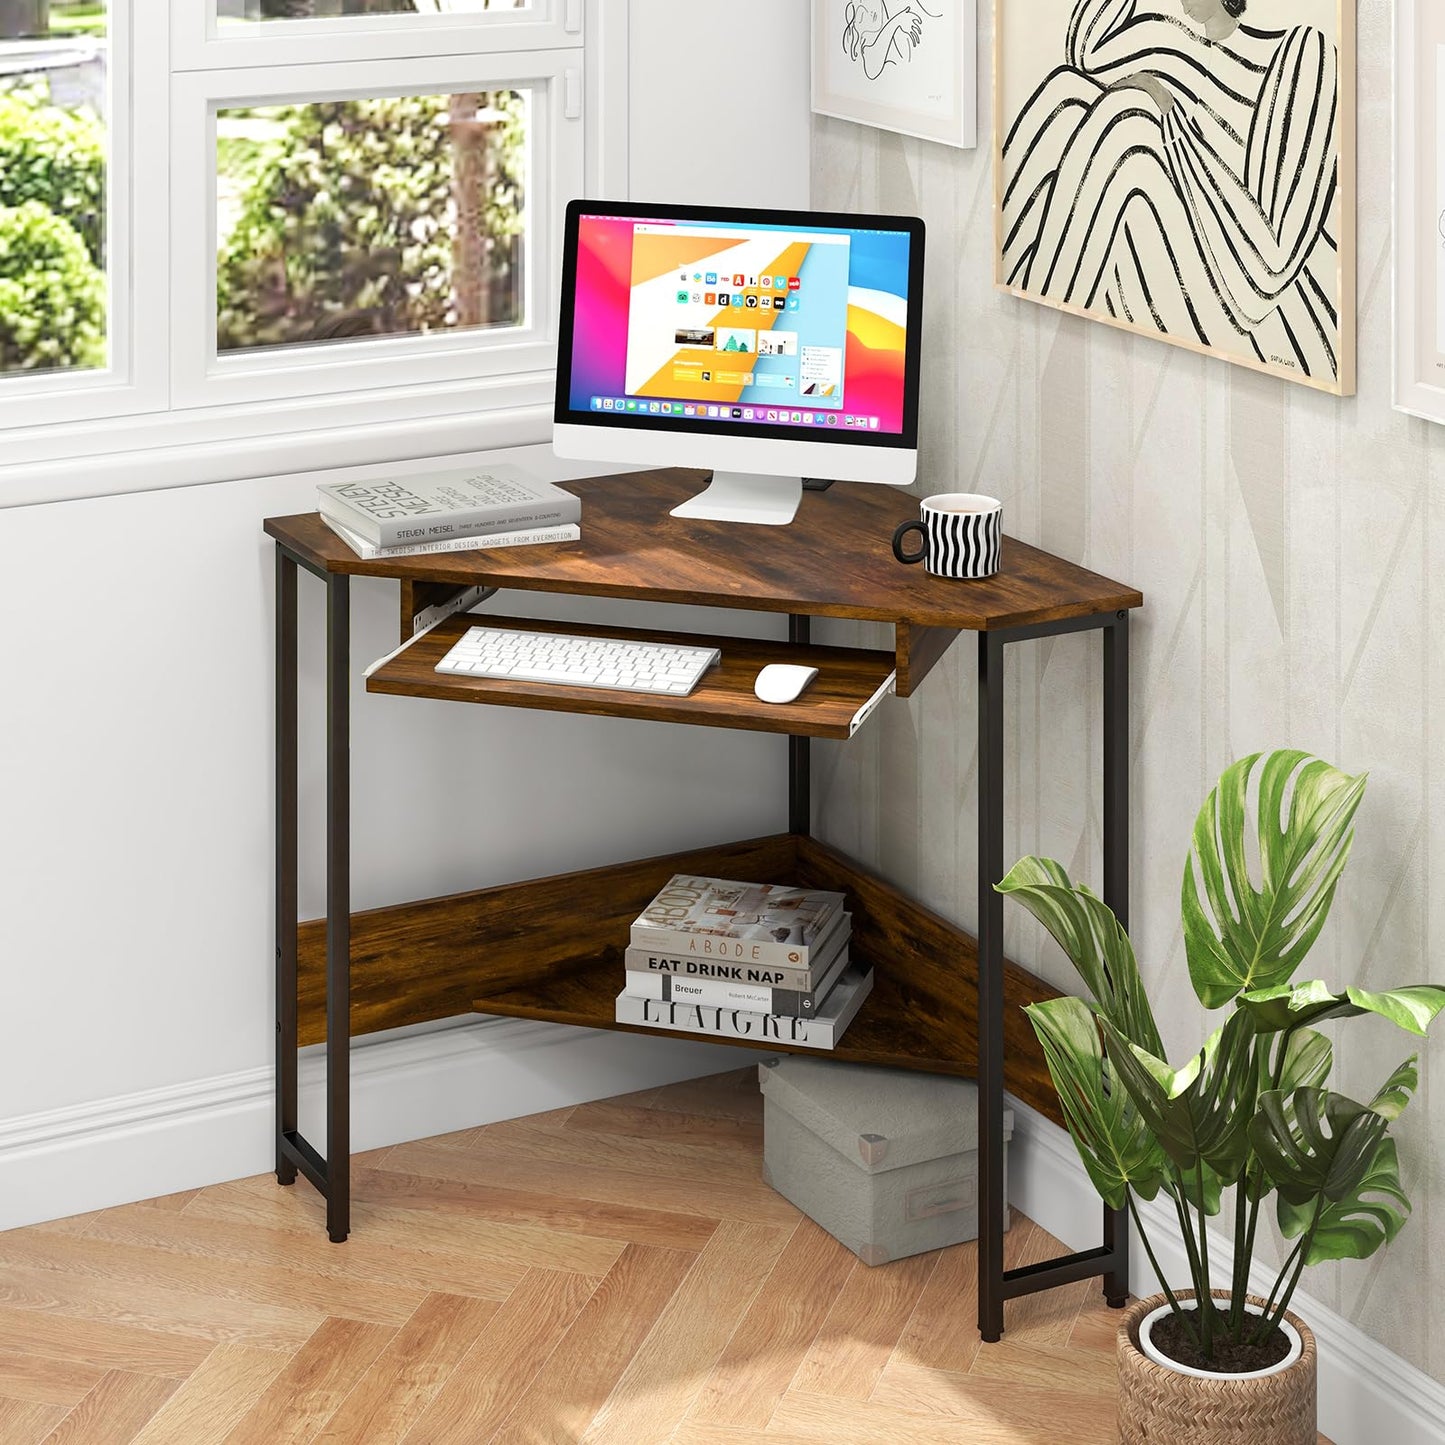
x=878 y=1118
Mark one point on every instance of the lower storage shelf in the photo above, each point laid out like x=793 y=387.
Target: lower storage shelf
x=552 y=949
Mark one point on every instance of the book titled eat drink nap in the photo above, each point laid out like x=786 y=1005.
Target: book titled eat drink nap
x=443 y=505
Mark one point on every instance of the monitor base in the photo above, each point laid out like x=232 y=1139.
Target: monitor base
x=743 y=497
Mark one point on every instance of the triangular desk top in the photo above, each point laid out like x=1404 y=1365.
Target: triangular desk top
x=835 y=560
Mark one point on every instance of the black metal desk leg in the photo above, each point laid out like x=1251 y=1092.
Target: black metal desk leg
x=990 y=988
x=285 y=861
x=800 y=790
x=1116 y=879
x=338 y=907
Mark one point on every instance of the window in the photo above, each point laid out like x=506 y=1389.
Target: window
x=244 y=218
x=231 y=12
x=54 y=99
x=378 y=216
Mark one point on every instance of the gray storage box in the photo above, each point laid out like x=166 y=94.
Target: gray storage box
x=885 y=1160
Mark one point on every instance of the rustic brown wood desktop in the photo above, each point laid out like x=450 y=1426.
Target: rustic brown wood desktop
x=552 y=948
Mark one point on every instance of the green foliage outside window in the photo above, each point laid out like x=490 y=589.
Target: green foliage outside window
x=346 y=223
x=52 y=295
x=56 y=157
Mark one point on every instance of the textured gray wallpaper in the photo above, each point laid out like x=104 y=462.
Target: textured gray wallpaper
x=1288 y=546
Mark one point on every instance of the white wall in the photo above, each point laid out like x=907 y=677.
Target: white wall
x=135 y=773
x=1286 y=543
x=720 y=101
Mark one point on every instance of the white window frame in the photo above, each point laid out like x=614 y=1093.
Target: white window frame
x=555 y=148
x=168 y=411
x=201 y=43
x=133 y=378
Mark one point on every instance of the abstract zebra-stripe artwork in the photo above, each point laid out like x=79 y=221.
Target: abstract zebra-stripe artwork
x=1184 y=169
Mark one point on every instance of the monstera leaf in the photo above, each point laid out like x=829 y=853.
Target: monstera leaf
x=1200 y=1113
x=1316 y=1145
x=1356 y=1226
x=1085 y=927
x=1349 y=1175
x=1308 y=1059
x=1287 y=1006
x=1240 y=937
x=1397 y=1091
x=1117 y=1149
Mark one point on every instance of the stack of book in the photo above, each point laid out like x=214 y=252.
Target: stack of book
x=743 y=960
x=455 y=511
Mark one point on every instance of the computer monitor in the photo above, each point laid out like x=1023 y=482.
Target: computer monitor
x=764 y=345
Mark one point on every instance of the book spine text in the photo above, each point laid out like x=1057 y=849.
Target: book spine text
x=724 y=1023
x=670 y=988
x=409 y=531
x=713 y=948
x=647 y=960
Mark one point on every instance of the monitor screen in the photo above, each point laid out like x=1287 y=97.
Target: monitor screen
x=794 y=326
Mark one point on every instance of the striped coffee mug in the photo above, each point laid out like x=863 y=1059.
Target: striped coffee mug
x=962 y=535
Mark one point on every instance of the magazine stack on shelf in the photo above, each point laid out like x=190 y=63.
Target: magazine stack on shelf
x=743 y=960
x=456 y=511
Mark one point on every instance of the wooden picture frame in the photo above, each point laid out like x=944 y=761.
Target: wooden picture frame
x=909 y=66
x=1129 y=192
x=1419 y=291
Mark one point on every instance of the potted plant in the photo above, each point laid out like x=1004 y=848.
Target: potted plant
x=1249 y=1114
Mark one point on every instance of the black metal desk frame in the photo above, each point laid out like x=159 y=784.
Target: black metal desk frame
x=332 y=1174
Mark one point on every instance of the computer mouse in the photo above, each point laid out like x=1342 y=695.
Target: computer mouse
x=783 y=681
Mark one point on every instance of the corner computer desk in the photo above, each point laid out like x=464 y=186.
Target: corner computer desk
x=552 y=948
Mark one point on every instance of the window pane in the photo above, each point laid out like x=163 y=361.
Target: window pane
x=53 y=94
x=244 y=10
x=355 y=218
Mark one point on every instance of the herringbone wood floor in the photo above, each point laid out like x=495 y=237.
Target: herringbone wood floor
x=611 y=1273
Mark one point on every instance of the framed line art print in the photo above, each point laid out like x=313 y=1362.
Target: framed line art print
x=1420 y=208
x=904 y=65
x=1184 y=170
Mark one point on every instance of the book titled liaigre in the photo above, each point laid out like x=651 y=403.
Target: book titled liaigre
x=440 y=505
x=764 y=923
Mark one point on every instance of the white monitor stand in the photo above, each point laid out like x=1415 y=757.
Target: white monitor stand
x=744 y=497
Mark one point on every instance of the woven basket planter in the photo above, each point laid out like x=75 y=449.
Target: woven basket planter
x=1159 y=1406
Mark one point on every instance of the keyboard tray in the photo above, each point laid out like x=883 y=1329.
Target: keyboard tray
x=849 y=682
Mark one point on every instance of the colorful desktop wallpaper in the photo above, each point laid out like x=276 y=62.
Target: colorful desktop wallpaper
x=768 y=318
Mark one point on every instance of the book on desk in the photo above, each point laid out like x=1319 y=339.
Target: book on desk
x=440 y=509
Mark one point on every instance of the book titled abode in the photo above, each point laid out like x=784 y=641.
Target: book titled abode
x=442 y=505
x=745 y=923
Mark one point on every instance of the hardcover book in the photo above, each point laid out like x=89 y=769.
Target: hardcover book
x=440 y=505
x=721 y=993
x=822 y=1031
x=749 y=975
x=760 y=923
x=524 y=537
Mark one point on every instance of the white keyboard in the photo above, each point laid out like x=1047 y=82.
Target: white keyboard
x=579 y=661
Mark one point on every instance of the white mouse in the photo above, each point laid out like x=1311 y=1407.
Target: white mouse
x=783 y=681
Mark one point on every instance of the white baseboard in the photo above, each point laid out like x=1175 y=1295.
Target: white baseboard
x=1368 y=1394
x=409 y=1084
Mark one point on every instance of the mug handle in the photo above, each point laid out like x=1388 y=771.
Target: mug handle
x=901 y=533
